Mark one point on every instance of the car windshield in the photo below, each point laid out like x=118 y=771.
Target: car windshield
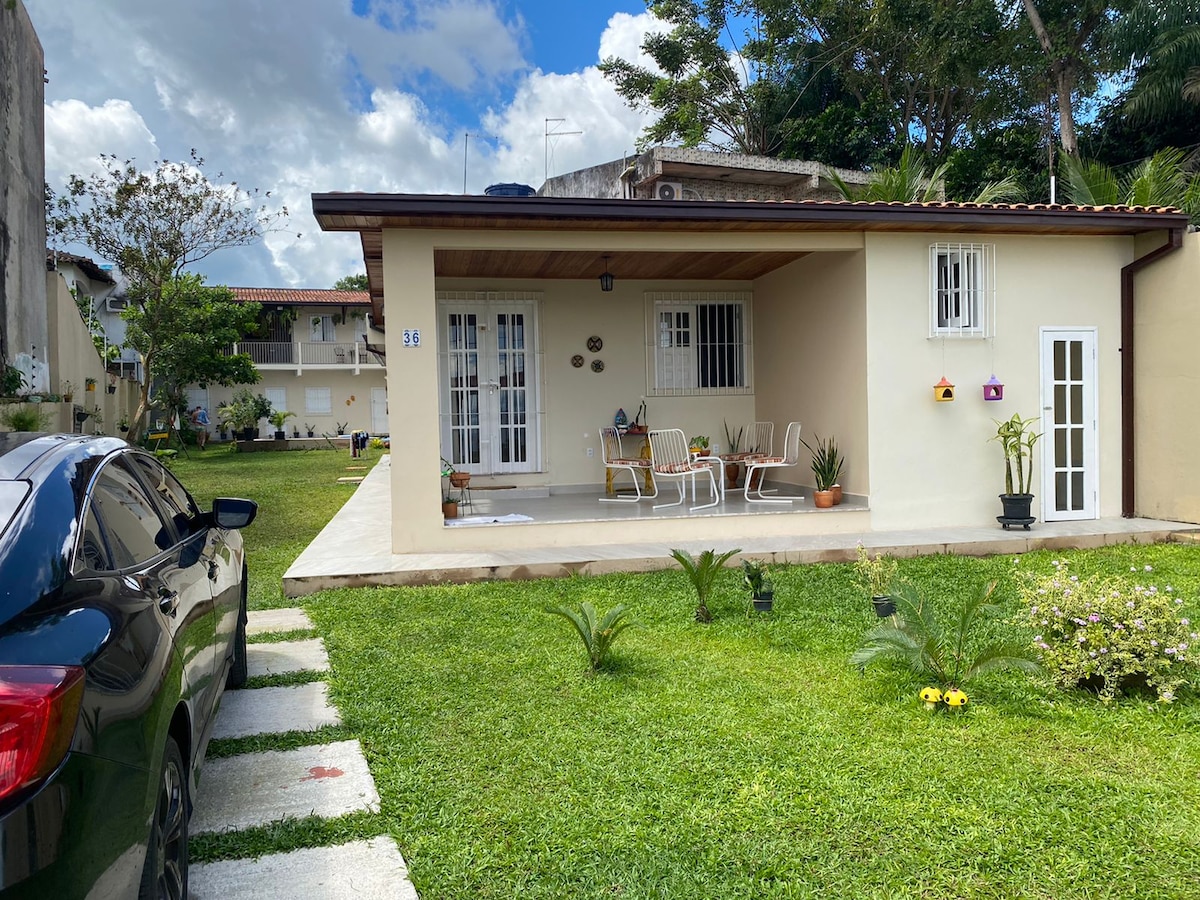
x=11 y=495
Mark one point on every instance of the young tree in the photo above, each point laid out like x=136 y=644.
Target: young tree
x=182 y=332
x=356 y=282
x=154 y=225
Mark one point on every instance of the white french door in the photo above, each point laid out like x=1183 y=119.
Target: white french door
x=489 y=405
x=379 y=411
x=1070 y=465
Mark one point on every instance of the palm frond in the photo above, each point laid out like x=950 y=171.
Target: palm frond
x=1090 y=183
x=1000 y=657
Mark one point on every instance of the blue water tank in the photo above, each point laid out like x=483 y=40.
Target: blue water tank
x=509 y=190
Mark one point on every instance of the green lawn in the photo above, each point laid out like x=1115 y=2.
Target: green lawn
x=746 y=758
x=739 y=759
x=297 y=494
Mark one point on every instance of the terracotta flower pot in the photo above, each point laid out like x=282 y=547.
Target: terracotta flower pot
x=450 y=510
x=460 y=479
x=836 y=490
x=823 y=499
x=731 y=475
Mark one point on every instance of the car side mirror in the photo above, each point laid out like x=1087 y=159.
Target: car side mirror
x=231 y=512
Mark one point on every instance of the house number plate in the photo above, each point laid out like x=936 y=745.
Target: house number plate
x=412 y=337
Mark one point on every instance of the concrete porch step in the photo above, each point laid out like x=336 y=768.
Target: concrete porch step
x=302 y=707
x=363 y=870
x=256 y=789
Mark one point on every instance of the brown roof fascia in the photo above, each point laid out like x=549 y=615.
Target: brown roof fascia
x=368 y=212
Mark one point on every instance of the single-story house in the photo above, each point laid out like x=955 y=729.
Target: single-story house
x=505 y=354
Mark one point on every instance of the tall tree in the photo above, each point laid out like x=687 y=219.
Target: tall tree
x=357 y=282
x=1080 y=47
x=153 y=225
x=182 y=331
x=926 y=69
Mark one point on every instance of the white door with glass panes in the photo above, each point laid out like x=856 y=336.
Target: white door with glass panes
x=488 y=403
x=379 y=415
x=1070 y=465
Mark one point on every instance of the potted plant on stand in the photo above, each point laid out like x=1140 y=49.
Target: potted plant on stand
x=826 y=466
x=1017 y=438
x=458 y=480
x=762 y=591
x=278 y=417
x=875 y=576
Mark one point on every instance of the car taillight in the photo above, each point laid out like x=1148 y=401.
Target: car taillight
x=39 y=706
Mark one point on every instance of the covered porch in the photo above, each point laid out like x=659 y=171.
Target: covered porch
x=354 y=550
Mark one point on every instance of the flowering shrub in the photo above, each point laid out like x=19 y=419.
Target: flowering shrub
x=1101 y=631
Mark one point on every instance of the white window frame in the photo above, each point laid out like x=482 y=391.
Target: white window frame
x=676 y=347
x=312 y=404
x=323 y=332
x=962 y=290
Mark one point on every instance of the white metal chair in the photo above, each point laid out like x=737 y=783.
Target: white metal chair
x=671 y=459
x=615 y=458
x=791 y=456
x=760 y=439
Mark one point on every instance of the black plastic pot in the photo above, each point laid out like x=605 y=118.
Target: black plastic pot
x=1016 y=510
x=764 y=602
x=281 y=435
x=884 y=605
x=247 y=434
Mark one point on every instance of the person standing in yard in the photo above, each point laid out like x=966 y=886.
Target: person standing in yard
x=200 y=423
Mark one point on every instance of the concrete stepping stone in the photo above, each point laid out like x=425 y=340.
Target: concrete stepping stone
x=255 y=789
x=302 y=707
x=265 y=621
x=362 y=870
x=287 y=656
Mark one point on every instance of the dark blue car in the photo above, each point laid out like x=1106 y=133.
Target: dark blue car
x=122 y=619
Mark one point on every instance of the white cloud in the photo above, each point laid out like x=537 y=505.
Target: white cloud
x=306 y=97
x=77 y=133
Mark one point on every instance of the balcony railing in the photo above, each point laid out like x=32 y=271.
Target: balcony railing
x=300 y=355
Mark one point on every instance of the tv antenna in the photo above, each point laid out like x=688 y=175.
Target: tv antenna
x=552 y=132
x=466 y=143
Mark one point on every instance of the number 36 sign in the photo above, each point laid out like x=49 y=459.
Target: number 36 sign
x=412 y=337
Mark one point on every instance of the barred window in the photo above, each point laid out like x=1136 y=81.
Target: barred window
x=962 y=290
x=700 y=342
x=318 y=401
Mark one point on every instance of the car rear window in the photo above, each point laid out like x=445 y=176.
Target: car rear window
x=12 y=493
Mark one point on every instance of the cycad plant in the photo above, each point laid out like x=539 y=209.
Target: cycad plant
x=702 y=572
x=948 y=656
x=596 y=632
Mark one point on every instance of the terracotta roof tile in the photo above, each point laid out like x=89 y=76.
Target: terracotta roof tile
x=301 y=296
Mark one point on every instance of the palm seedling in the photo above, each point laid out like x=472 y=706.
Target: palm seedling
x=702 y=572
x=948 y=656
x=596 y=632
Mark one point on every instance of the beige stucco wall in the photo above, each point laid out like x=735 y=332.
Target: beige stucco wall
x=931 y=463
x=1167 y=373
x=810 y=359
x=350 y=393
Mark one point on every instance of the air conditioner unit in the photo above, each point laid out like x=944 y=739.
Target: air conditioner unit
x=116 y=304
x=668 y=190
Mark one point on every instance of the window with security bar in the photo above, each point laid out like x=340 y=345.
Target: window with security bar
x=700 y=343
x=962 y=287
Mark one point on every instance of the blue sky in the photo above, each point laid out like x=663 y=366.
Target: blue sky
x=303 y=96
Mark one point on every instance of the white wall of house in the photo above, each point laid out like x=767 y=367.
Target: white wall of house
x=811 y=359
x=349 y=398
x=931 y=463
x=1166 y=323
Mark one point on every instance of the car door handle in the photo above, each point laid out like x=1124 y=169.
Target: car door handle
x=168 y=601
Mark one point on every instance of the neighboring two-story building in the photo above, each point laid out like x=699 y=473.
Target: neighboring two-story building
x=314 y=358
